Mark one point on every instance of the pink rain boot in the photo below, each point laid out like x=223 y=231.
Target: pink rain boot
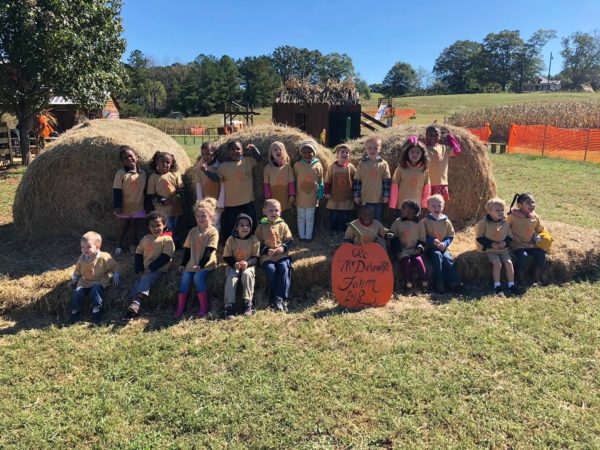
x=203 y=300
x=181 y=301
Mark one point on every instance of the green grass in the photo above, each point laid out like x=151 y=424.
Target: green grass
x=469 y=373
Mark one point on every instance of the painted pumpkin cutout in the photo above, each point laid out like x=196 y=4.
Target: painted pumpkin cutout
x=362 y=276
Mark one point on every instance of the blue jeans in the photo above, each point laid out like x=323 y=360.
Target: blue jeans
x=172 y=225
x=144 y=282
x=443 y=266
x=199 y=279
x=279 y=277
x=521 y=255
x=96 y=292
x=377 y=210
x=339 y=218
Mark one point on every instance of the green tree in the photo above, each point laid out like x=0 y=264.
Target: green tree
x=581 y=58
x=456 y=66
x=156 y=96
x=260 y=80
x=293 y=62
x=230 y=82
x=58 y=47
x=335 y=66
x=500 y=59
x=400 y=80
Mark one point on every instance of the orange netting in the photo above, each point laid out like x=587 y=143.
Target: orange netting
x=567 y=143
x=482 y=133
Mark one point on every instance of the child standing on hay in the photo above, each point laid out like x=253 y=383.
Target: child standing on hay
x=365 y=229
x=199 y=257
x=438 y=155
x=372 y=181
x=153 y=257
x=309 y=177
x=411 y=177
x=165 y=187
x=528 y=232
x=205 y=186
x=439 y=234
x=92 y=274
x=278 y=177
x=338 y=190
x=128 y=197
x=241 y=254
x=408 y=245
x=235 y=174
x=493 y=237
x=275 y=240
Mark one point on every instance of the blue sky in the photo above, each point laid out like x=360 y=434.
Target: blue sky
x=374 y=34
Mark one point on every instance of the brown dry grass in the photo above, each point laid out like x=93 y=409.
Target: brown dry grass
x=471 y=182
x=67 y=190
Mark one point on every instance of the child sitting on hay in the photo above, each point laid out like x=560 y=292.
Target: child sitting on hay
x=338 y=190
x=275 y=240
x=199 y=257
x=92 y=274
x=153 y=257
x=128 y=197
x=493 y=237
x=241 y=254
x=206 y=187
x=372 y=181
x=439 y=234
x=235 y=173
x=408 y=245
x=309 y=178
x=165 y=187
x=278 y=177
x=365 y=229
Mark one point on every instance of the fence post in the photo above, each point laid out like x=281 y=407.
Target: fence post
x=587 y=144
x=544 y=139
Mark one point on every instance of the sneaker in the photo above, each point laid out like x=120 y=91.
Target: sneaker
x=134 y=309
x=96 y=315
x=279 y=304
x=514 y=291
x=499 y=292
x=439 y=287
x=118 y=251
x=248 y=311
x=229 y=312
x=75 y=317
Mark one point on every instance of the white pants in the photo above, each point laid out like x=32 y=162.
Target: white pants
x=306 y=222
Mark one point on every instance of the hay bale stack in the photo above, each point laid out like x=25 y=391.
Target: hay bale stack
x=574 y=253
x=67 y=190
x=262 y=137
x=471 y=182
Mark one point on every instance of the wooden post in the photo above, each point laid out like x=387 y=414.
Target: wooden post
x=587 y=144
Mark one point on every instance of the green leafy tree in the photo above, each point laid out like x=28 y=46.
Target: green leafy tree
x=156 y=96
x=293 y=62
x=400 y=80
x=260 y=80
x=581 y=58
x=51 y=47
x=456 y=66
x=230 y=82
x=336 y=66
x=500 y=59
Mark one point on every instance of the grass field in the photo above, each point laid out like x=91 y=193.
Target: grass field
x=516 y=373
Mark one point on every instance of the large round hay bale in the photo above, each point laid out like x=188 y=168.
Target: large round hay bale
x=470 y=179
x=67 y=190
x=262 y=137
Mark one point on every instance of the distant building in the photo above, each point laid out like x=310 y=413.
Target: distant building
x=68 y=113
x=542 y=85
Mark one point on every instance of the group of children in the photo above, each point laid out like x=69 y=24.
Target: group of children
x=224 y=211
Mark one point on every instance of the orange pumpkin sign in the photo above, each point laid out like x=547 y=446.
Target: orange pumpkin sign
x=362 y=276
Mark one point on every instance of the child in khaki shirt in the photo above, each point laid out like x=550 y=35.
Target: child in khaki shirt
x=439 y=233
x=309 y=188
x=411 y=177
x=241 y=254
x=205 y=186
x=91 y=275
x=408 y=244
x=371 y=185
x=493 y=237
x=338 y=190
x=366 y=229
x=278 y=177
x=275 y=240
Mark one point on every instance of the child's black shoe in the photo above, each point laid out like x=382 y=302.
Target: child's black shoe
x=75 y=317
x=96 y=315
x=279 y=304
x=229 y=312
x=514 y=291
x=248 y=310
x=499 y=292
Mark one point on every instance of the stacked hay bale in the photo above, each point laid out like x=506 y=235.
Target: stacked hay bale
x=471 y=182
x=67 y=190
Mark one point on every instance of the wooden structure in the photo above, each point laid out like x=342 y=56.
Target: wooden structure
x=68 y=113
x=340 y=122
x=7 y=150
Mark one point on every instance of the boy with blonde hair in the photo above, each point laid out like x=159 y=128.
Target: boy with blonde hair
x=372 y=181
x=493 y=236
x=91 y=275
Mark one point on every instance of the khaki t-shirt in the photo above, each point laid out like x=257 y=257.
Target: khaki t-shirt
x=308 y=178
x=166 y=186
x=278 y=179
x=132 y=185
x=411 y=182
x=96 y=270
x=371 y=174
x=340 y=179
x=151 y=247
x=197 y=241
x=237 y=181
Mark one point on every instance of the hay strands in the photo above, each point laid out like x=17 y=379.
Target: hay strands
x=333 y=93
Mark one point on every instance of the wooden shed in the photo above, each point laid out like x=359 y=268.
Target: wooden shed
x=68 y=113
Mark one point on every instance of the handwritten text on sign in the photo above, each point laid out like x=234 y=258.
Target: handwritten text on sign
x=362 y=275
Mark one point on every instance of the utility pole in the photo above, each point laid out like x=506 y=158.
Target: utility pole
x=549 y=67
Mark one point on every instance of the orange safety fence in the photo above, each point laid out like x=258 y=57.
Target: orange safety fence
x=567 y=143
x=482 y=133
